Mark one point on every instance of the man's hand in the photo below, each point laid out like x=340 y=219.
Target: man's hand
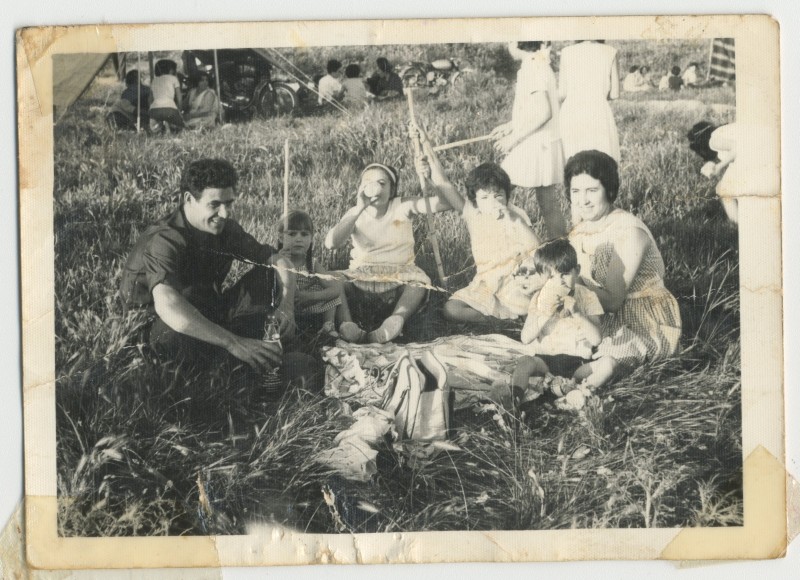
x=259 y=355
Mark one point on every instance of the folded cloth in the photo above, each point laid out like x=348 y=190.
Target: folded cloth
x=354 y=456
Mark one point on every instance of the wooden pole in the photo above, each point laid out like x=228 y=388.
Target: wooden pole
x=462 y=142
x=152 y=64
x=428 y=212
x=138 y=93
x=286 y=184
x=219 y=91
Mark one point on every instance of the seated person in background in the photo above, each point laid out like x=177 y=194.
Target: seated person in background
x=635 y=81
x=329 y=87
x=385 y=83
x=717 y=147
x=166 y=98
x=690 y=75
x=135 y=98
x=202 y=104
x=355 y=88
x=674 y=81
x=563 y=322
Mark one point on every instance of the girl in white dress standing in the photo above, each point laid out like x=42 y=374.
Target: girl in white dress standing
x=588 y=79
x=532 y=140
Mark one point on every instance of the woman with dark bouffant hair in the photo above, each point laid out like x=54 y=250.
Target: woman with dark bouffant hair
x=620 y=262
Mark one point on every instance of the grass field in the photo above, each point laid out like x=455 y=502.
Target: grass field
x=141 y=452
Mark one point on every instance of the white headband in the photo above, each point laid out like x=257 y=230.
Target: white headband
x=392 y=173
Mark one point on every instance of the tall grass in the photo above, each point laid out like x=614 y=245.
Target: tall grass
x=142 y=451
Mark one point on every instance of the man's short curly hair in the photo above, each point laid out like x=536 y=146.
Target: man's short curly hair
x=204 y=173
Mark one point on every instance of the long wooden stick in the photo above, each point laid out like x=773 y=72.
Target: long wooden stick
x=428 y=211
x=286 y=183
x=462 y=142
x=138 y=93
x=219 y=89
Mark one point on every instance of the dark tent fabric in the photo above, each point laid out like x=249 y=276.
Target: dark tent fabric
x=723 y=60
x=72 y=75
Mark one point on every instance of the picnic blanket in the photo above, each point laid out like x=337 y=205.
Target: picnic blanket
x=474 y=364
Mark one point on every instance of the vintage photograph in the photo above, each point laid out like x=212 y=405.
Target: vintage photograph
x=399 y=287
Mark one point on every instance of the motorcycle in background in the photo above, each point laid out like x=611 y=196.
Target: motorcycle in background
x=435 y=76
x=250 y=84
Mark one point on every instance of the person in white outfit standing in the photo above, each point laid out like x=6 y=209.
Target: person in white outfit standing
x=588 y=79
x=532 y=140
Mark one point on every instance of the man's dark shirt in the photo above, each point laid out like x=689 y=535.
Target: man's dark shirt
x=379 y=85
x=192 y=262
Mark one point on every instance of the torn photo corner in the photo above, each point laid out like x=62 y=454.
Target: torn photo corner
x=350 y=292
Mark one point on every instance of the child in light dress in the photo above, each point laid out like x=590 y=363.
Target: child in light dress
x=532 y=140
x=562 y=326
x=314 y=296
x=500 y=234
x=382 y=275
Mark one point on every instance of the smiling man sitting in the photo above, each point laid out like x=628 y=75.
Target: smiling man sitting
x=177 y=269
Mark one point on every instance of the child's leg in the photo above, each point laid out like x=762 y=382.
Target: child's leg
x=348 y=330
x=527 y=367
x=329 y=320
x=596 y=373
x=342 y=311
x=509 y=396
x=550 y=207
x=458 y=311
x=408 y=303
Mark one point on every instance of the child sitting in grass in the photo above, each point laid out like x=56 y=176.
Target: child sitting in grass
x=563 y=323
x=354 y=86
x=313 y=296
x=382 y=273
x=500 y=235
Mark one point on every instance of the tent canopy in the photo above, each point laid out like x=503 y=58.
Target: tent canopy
x=72 y=75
